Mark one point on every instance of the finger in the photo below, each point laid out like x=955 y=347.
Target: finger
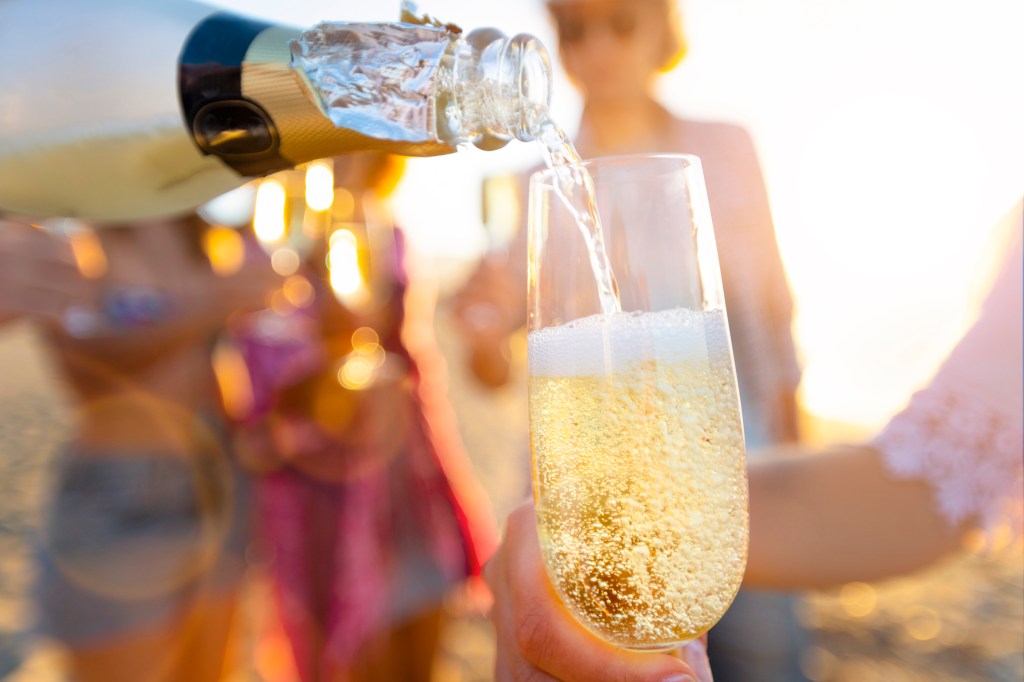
x=547 y=635
x=509 y=665
x=695 y=654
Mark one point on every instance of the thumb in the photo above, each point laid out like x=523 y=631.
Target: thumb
x=695 y=655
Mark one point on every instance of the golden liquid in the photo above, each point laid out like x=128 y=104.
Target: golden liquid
x=640 y=484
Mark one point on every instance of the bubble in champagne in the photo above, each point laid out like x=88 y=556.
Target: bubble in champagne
x=639 y=472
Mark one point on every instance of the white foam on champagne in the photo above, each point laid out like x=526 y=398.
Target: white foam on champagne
x=602 y=344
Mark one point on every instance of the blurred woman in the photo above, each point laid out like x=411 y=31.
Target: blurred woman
x=367 y=507
x=614 y=51
x=142 y=550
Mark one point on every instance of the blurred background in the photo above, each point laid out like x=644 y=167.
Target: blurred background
x=891 y=139
x=891 y=142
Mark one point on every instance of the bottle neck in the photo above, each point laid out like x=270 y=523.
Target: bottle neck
x=493 y=90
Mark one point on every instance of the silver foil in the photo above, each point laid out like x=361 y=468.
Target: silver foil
x=376 y=79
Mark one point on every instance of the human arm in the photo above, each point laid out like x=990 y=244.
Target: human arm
x=822 y=519
x=537 y=638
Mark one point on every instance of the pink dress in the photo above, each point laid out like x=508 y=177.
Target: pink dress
x=371 y=515
x=963 y=433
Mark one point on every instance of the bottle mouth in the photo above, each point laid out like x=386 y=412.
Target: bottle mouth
x=533 y=79
x=516 y=77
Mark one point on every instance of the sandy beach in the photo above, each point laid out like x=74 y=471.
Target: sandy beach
x=962 y=621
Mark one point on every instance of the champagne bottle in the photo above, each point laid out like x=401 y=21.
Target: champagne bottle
x=120 y=110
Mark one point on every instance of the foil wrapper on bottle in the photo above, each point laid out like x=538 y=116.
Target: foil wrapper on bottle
x=377 y=79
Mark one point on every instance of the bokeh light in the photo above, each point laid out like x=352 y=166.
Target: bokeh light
x=298 y=291
x=922 y=623
x=320 y=185
x=90 y=258
x=225 y=249
x=285 y=261
x=280 y=304
x=356 y=372
x=363 y=337
x=233 y=379
x=269 y=220
x=347 y=280
x=344 y=204
x=858 y=599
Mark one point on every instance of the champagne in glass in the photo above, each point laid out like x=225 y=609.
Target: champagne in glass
x=635 y=423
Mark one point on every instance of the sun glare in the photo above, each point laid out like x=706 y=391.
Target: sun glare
x=881 y=238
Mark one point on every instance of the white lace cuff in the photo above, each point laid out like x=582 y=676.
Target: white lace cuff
x=971 y=453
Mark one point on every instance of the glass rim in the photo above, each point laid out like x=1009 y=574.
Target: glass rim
x=545 y=175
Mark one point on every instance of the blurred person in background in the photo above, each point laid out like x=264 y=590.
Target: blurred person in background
x=368 y=512
x=142 y=549
x=949 y=466
x=614 y=51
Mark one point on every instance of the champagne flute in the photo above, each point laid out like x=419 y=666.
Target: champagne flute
x=635 y=427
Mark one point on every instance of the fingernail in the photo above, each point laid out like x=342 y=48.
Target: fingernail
x=679 y=677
